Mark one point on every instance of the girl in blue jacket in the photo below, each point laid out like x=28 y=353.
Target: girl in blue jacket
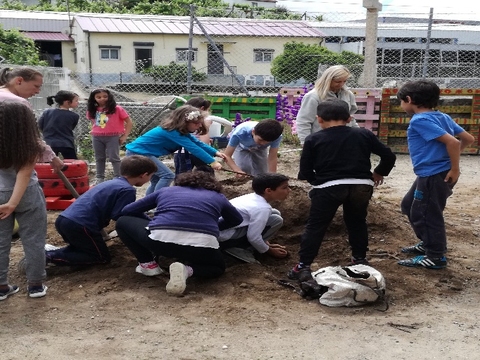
x=174 y=133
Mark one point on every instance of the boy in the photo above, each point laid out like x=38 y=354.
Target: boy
x=435 y=155
x=336 y=161
x=249 y=142
x=81 y=223
x=260 y=221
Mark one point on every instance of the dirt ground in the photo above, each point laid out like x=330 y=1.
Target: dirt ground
x=111 y=312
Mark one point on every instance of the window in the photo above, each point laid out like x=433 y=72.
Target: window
x=182 y=54
x=263 y=55
x=108 y=52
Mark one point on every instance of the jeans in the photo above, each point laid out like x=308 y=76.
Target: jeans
x=163 y=177
x=325 y=202
x=85 y=247
x=205 y=262
x=424 y=204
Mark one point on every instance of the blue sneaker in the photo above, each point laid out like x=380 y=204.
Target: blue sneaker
x=424 y=261
x=414 y=249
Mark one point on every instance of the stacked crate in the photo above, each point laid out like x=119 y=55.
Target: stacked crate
x=463 y=105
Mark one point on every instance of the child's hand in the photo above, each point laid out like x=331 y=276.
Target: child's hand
x=6 y=210
x=452 y=176
x=277 y=251
x=377 y=179
x=122 y=139
x=221 y=155
x=216 y=165
x=57 y=164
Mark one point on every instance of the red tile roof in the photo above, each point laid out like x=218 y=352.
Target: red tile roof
x=47 y=36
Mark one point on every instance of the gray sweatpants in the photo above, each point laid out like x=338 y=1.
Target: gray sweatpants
x=274 y=223
x=106 y=147
x=252 y=162
x=31 y=215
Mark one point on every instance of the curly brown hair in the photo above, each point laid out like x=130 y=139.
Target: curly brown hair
x=199 y=179
x=19 y=136
x=177 y=120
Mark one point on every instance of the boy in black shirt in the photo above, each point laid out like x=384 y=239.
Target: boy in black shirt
x=336 y=161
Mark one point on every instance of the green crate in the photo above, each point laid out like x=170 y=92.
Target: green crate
x=257 y=108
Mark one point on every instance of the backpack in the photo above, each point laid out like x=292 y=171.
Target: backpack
x=353 y=285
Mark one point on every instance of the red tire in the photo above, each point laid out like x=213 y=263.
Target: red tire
x=56 y=187
x=75 y=168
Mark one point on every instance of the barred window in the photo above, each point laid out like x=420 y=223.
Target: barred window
x=182 y=54
x=263 y=55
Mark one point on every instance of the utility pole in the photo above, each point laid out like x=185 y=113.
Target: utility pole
x=427 y=45
x=371 y=33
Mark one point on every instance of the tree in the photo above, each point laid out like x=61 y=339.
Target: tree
x=173 y=74
x=16 y=48
x=300 y=60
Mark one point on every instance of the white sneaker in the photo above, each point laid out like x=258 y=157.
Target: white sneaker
x=149 y=269
x=49 y=247
x=178 y=279
x=37 y=291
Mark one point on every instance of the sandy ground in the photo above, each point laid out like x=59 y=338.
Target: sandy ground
x=111 y=312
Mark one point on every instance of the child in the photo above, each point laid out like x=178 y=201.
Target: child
x=185 y=226
x=184 y=161
x=80 y=225
x=171 y=135
x=260 y=221
x=336 y=161
x=330 y=85
x=21 y=197
x=249 y=142
x=111 y=126
x=435 y=154
x=19 y=84
x=57 y=124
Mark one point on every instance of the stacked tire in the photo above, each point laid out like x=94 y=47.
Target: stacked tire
x=76 y=172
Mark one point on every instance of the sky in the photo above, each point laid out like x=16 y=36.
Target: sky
x=454 y=10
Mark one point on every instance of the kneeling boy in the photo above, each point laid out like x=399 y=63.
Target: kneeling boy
x=80 y=225
x=260 y=221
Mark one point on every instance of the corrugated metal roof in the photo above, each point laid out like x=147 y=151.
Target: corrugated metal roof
x=46 y=36
x=33 y=20
x=179 y=25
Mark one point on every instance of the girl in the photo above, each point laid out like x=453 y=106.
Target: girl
x=18 y=85
x=184 y=161
x=21 y=197
x=171 y=135
x=331 y=85
x=57 y=124
x=111 y=126
x=180 y=230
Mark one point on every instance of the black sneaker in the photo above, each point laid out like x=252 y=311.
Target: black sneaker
x=414 y=249
x=303 y=274
x=358 y=261
x=424 y=261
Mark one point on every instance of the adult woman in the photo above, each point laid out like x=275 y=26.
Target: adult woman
x=19 y=84
x=330 y=85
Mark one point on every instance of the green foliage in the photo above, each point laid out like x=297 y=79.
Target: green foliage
x=300 y=60
x=210 y=8
x=85 y=148
x=173 y=73
x=18 y=49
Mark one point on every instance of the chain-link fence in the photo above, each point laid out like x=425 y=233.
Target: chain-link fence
x=247 y=58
